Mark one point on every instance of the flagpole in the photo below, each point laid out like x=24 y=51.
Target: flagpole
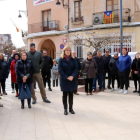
x=121 y=28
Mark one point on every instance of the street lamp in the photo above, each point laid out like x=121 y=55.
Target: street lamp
x=23 y=11
x=64 y=5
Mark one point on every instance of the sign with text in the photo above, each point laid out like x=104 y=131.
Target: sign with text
x=38 y=2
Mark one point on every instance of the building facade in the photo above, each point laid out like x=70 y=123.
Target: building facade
x=100 y=18
x=47 y=26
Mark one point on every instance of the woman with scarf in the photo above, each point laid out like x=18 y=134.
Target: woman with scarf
x=13 y=74
x=4 y=74
x=68 y=70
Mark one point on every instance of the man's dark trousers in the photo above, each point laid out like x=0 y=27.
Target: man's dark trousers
x=46 y=77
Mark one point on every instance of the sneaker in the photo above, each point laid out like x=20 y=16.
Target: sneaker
x=125 y=92
x=120 y=91
x=13 y=91
x=112 y=89
x=4 y=93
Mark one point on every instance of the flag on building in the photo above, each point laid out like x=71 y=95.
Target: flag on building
x=17 y=29
x=108 y=17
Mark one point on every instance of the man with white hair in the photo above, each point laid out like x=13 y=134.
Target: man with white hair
x=9 y=63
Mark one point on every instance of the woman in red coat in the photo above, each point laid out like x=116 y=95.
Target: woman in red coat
x=12 y=69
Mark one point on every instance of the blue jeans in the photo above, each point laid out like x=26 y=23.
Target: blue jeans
x=100 y=81
x=28 y=100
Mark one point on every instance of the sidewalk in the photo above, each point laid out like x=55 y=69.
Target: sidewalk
x=103 y=116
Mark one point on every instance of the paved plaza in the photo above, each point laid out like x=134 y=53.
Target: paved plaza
x=103 y=116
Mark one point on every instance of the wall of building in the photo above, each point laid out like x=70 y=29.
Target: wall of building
x=35 y=13
x=94 y=6
x=133 y=32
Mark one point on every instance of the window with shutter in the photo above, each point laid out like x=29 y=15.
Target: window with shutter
x=77 y=10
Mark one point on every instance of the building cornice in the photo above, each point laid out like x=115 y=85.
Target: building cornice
x=47 y=33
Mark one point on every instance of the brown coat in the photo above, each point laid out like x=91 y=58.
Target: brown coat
x=90 y=67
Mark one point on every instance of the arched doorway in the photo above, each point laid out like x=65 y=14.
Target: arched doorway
x=49 y=46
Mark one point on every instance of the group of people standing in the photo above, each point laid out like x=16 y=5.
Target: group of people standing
x=116 y=67
x=31 y=66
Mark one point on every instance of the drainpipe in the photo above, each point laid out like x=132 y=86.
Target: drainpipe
x=121 y=28
x=68 y=23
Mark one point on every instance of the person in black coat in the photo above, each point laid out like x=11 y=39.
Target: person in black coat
x=135 y=71
x=100 y=64
x=46 y=69
x=68 y=70
x=107 y=59
x=9 y=63
x=1 y=105
x=4 y=74
x=24 y=71
x=79 y=69
x=114 y=71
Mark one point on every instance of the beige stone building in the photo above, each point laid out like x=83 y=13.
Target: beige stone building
x=88 y=18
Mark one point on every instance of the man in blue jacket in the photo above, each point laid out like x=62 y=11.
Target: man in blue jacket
x=123 y=65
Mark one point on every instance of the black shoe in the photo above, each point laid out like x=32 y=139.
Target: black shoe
x=65 y=112
x=22 y=107
x=71 y=111
x=50 y=89
x=135 y=91
x=4 y=93
x=109 y=87
x=34 y=102
x=47 y=101
x=29 y=106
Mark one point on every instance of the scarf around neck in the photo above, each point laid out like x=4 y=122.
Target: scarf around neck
x=67 y=58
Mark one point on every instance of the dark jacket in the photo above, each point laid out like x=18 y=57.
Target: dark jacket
x=10 y=61
x=89 y=67
x=134 y=65
x=78 y=63
x=37 y=60
x=100 y=65
x=112 y=66
x=48 y=64
x=106 y=62
x=138 y=67
x=0 y=68
x=67 y=69
x=124 y=63
x=5 y=70
x=24 y=68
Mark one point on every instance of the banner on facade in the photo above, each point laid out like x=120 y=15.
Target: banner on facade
x=108 y=17
x=38 y=2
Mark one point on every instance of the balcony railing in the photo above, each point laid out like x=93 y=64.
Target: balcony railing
x=43 y=26
x=98 y=18
x=77 y=19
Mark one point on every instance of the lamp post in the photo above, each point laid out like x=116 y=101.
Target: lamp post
x=22 y=11
x=64 y=6
x=121 y=28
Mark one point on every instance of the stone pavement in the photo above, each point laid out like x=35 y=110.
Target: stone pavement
x=103 y=116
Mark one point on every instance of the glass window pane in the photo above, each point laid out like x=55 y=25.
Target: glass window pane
x=76 y=15
x=49 y=18
x=116 y=2
x=109 y=2
x=76 y=10
x=115 y=7
x=109 y=8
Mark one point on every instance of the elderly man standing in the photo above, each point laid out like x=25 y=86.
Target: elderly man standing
x=9 y=63
x=46 y=70
x=79 y=69
x=100 y=63
x=38 y=62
